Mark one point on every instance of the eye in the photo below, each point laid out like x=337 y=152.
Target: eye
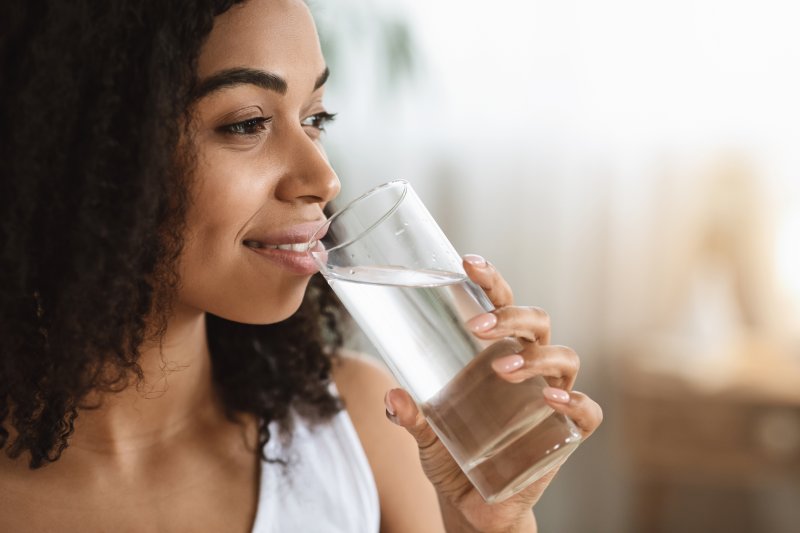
x=318 y=120
x=251 y=126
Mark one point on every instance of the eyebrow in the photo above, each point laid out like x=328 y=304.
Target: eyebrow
x=240 y=76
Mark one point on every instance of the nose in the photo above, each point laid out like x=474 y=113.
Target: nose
x=308 y=176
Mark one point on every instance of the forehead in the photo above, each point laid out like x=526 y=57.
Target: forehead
x=274 y=35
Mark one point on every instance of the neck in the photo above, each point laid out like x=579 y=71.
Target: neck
x=176 y=394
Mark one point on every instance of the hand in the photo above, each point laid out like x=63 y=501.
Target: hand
x=460 y=502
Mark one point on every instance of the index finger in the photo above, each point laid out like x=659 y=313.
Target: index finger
x=489 y=279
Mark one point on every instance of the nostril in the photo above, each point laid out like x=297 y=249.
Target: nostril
x=312 y=199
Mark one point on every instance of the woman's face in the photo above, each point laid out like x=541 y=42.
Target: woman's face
x=262 y=177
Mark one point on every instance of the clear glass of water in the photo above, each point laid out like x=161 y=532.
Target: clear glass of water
x=400 y=278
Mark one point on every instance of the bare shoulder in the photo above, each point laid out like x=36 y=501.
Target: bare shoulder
x=359 y=376
x=352 y=365
x=362 y=383
x=392 y=453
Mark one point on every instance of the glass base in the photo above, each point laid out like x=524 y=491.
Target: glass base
x=506 y=470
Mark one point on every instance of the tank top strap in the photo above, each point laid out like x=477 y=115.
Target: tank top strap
x=326 y=485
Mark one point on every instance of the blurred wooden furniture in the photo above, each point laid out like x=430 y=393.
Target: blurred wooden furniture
x=729 y=422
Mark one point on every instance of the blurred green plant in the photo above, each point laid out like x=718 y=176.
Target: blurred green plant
x=354 y=31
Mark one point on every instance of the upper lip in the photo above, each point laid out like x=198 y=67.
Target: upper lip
x=298 y=233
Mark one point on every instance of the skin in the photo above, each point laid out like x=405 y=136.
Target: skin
x=163 y=457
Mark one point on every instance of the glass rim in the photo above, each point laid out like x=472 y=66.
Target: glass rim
x=389 y=184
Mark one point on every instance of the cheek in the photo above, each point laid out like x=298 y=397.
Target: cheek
x=225 y=281
x=220 y=275
x=226 y=195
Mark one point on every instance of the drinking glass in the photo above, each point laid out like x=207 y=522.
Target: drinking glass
x=403 y=283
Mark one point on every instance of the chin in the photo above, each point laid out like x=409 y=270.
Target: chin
x=261 y=311
x=272 y=317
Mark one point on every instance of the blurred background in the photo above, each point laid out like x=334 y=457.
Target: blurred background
x=634 y=168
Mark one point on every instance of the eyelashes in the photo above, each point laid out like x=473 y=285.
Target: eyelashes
x=251 y=126
x=319 y=120
x=256 y=125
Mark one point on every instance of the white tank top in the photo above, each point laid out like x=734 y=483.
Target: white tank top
x=327 y=486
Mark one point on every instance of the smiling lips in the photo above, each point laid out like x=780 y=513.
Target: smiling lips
x=292 y=251
x=294 y=247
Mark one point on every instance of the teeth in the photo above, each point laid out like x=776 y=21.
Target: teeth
x=296 y=247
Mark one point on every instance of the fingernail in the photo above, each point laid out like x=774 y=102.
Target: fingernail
x=483 y=322
x=389 y=408
x=474 y=259
x=508 y=363
x=557 y=395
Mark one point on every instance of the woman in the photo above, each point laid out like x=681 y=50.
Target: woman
x=156 y=372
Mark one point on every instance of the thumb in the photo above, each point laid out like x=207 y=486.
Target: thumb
x=402 y=410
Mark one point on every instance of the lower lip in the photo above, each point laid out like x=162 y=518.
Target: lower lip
x=300 y=263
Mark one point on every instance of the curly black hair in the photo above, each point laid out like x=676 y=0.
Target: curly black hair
x=93 y=197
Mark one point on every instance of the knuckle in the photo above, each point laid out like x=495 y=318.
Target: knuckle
x=497 y=279
x=570 y=356
x=510 y=314
x=573 y=357
x=509 y=294
x=425 y=437
x=591 y=408
x=540 y=314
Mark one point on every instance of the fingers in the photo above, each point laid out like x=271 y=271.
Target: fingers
x=584 y=411
x=401 y=410
x=489 y=279
x=529 y=323
x=559 y=365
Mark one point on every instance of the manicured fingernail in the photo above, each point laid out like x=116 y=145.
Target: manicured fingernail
x=483 y=322
x=474 y=259
x=557 y=395
x=508 y=363
x=387 y=403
